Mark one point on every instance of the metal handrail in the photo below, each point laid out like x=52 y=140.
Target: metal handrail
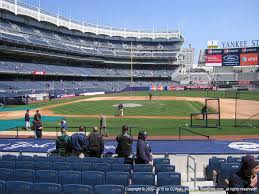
x=192 y=168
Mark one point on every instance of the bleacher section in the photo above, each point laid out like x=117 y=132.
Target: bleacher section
x=89 y=175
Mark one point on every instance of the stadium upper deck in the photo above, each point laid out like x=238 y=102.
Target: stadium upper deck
x=19 y=8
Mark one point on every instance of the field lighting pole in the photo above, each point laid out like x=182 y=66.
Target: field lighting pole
x=131 y=65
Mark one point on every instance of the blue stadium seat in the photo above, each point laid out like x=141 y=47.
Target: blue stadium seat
x=24 y=165
x=157 y=161
x=164 y=168
x=24 y=158
x=40 y=158
x=143 y=178
x=168 y=178
x=73 y=159
x=59 y=166
x=121 y=167
x=119 y=160
x=108 y=160
x=214 y=164
x=6 y=174
x=18 y=187
x=2 y=187
x=9 y=157
x=24 y=175
x=117 y=178
x=46 y=188
x=7 y=164
x=57 y=159
x=226 y=170
x=69 y=177
x=142 y=168
x=173 y=189
x=81 y=166
x=91 y=160
x=42 y=165
x=76 y=189
x=109 y=189
x=231 y=159
x=101 y=167
x=46 y=176
x=93 y=178
x=136 y=189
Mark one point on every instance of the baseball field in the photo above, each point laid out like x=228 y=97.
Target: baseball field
x=160 y=116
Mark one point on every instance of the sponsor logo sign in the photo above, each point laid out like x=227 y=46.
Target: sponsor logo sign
x=213 y=60
x=230 y=57
x=245 y=146
x=248 y=59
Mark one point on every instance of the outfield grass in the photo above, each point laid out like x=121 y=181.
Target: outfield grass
x=157 y=126
x=148 y=108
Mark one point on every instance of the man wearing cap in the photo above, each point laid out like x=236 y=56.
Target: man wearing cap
x=144 y=155
x=125 y=140
x=96 y=144
x=63 y=143
x=245 y=178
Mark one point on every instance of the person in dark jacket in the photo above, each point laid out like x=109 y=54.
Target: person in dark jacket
x=27 y=120
x=124 y=147
x=144 y=154
x=245 y=178
x=79 y=143
x=96 y=144
x=63 y=143
x=204 y=112
x=37 y=125
x=37 y=115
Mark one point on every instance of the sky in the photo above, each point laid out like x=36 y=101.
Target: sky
x=198 y=20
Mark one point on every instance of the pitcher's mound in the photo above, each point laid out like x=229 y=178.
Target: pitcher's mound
x=128 y=105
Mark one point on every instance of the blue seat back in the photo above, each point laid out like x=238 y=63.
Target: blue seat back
x=24 y=175
x=57 y=159
x=81 y=166
x=91 y=160
x=9 y=157
x=101 y=167
x=46 y=176
x=2 y=187
x=61 y=166
x=6 y=174
x=7 y=164
x=143 y=178
x=24 y=158
x=231 y=159
x=46 y=188
x=164 y=168
x=77 y=189
x=18 y=187
x=24 y=165
x=157 y=161
x=109 y=189
x=121 y=167
x=42 y=165
x=40 y=158
x=117 y=178
x=73 y=159
x=93 y=178
x=69 y=177
x=168 y=178
x=142 y=168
